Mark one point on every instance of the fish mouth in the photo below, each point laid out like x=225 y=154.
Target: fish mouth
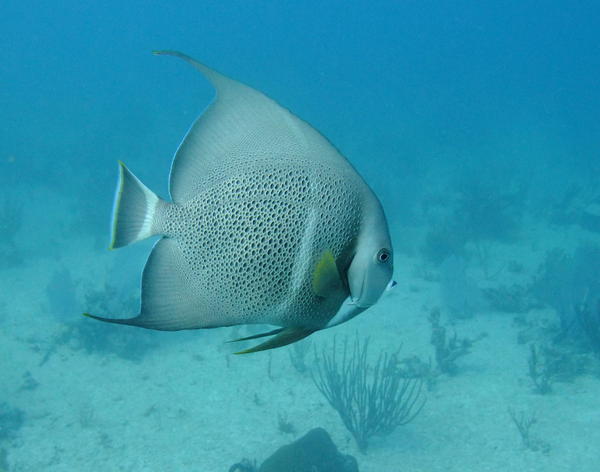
x=364 y=307
x=347 y=310
x=355 y=302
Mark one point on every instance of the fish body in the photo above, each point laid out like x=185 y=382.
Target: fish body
x=252 y=241
x=268 y=223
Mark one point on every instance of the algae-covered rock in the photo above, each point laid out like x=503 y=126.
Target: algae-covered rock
x=313 y=451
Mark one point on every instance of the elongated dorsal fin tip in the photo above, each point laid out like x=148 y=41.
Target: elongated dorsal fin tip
x=169 y=52
x=217 y=79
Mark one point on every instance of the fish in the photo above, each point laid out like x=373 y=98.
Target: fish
x=267 y=223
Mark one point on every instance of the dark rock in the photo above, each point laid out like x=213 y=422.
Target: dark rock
x=245 y=466
x=314 y=451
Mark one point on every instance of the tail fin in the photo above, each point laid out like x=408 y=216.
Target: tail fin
x=133 y=211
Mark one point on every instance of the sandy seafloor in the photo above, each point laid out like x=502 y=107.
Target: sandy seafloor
x=190 y=405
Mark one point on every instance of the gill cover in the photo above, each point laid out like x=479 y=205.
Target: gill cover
x=370 y=273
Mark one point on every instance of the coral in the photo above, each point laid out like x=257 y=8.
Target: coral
x=459 y=292
x=554 y=281
x=96 y=337
x=448 y=349
x=540 y=371
x=3 y=460
x=563 y=281
x=369 y=399
x=510 y=298
x=284 y=425
x=414 y=368
x=29 y=383
x=558 y=361
x=61 y=293
x=297 y=353
x=442 y=241
x=524 y=422
x=11 y=218
x=488 y=211
x=479 y=211
x=580 y=204
x=589 y=320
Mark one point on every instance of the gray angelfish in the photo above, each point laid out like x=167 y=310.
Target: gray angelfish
x=268 y=223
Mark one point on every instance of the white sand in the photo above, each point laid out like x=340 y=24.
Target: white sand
x=191 y=406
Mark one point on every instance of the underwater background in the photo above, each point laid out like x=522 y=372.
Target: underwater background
x=476 y=123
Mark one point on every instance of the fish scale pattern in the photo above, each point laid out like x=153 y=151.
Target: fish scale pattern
x=251 y=241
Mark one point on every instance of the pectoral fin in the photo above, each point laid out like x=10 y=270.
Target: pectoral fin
x=326 y=277
x=282 y=337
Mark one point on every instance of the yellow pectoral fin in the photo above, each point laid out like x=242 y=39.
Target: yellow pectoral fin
x=326 y=277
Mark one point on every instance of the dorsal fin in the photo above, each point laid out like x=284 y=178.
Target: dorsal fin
x=240 y=128
x=222 y=84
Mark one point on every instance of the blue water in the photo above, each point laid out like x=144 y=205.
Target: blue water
x=477 y=125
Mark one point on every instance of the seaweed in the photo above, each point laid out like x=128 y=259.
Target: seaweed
x=371 y=400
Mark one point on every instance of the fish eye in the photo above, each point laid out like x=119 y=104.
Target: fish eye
x=383 y=256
